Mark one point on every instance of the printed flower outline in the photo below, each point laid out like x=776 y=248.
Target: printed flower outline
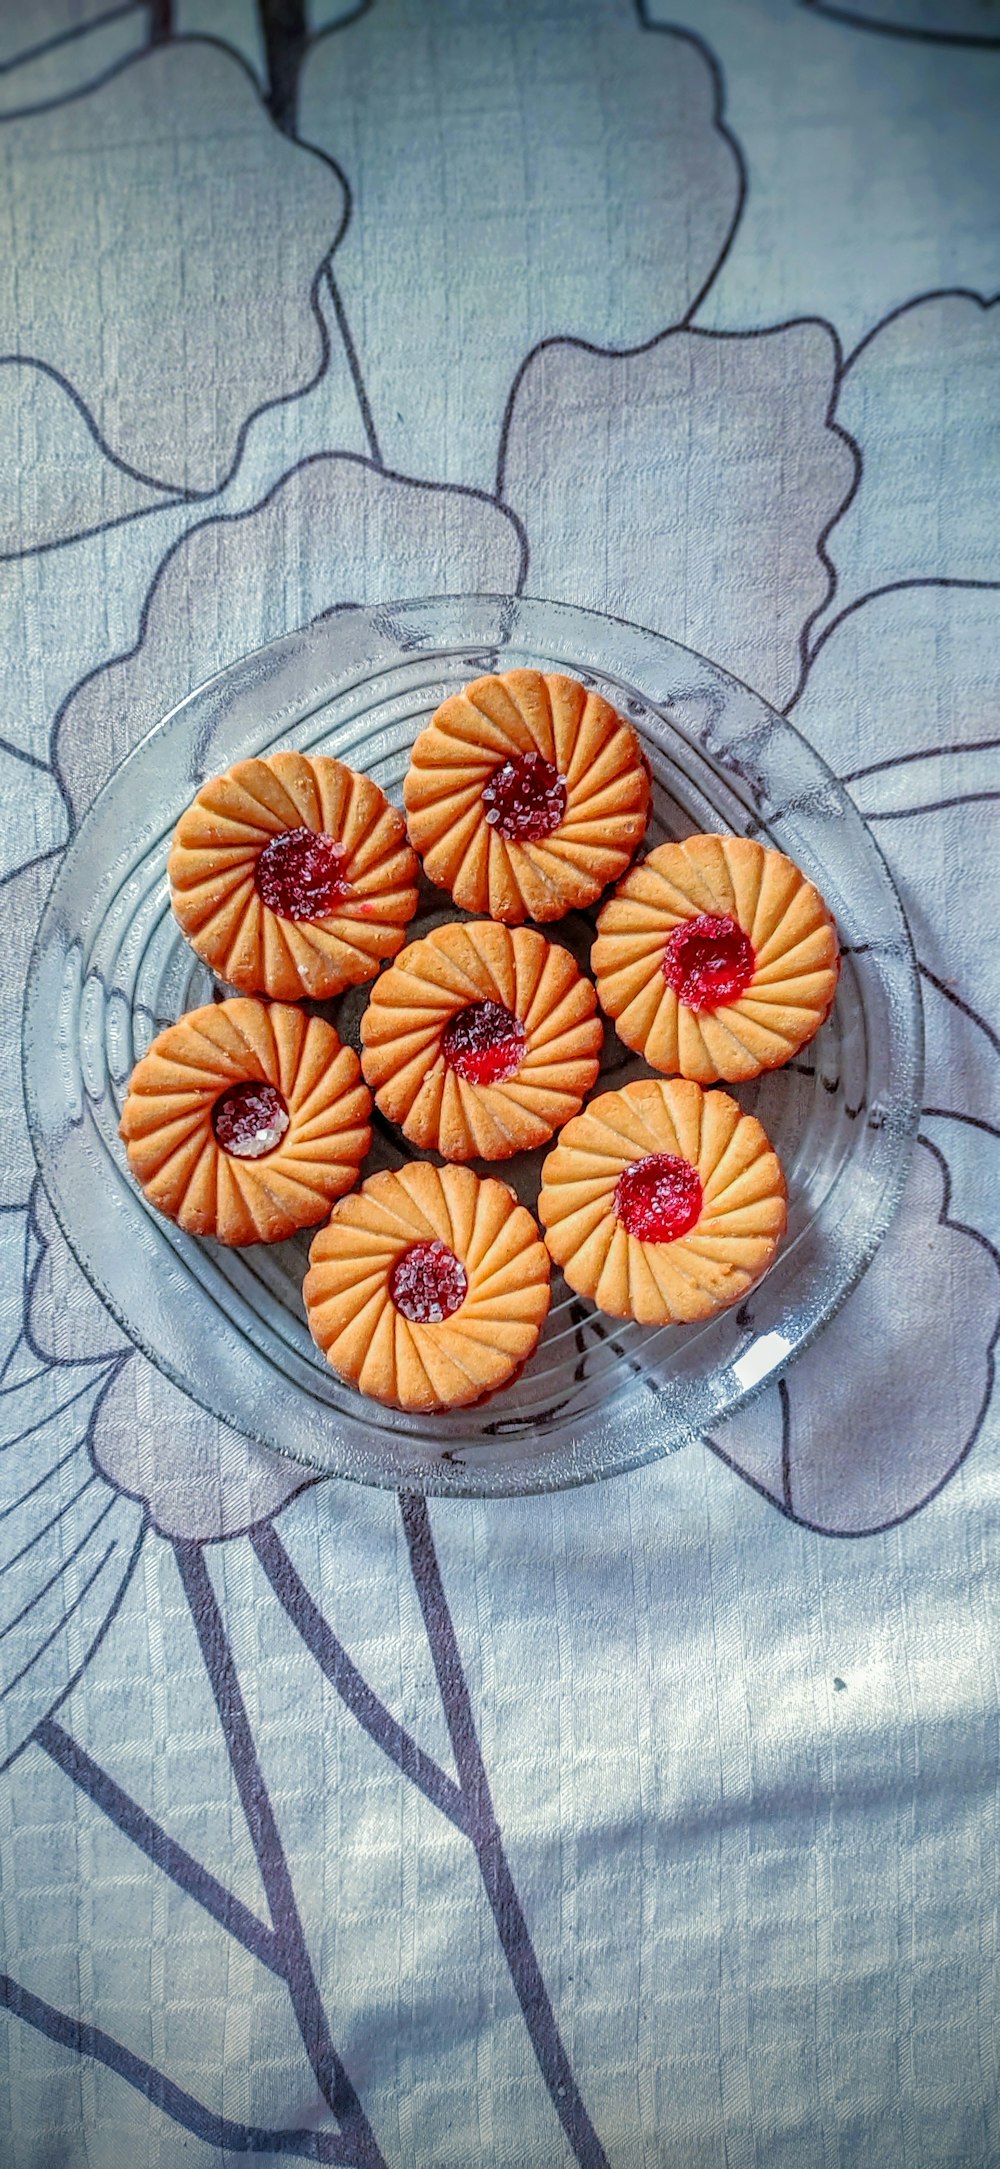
x=688 y=484
x=914 y=668
x=209 y=350
x=61 y=48
x=918 y=393
x=801 y=1444
x=552 y=112
x=925 y=655
x=934 y=22
x=69 y=1544
x=235 y=581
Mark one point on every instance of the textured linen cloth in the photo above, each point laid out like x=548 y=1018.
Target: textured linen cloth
x=654 y=1823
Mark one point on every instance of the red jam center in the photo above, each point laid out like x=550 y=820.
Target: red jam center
x=428 y=1283
x=708 y=961
x=525 y=799
x=659 y=1198
x=249 y=1120
x=299 y=875
x=483 y=1043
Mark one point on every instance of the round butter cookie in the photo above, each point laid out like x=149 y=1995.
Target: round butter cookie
x=292 y=876
x=429 y=1287
x=245 y=1120
x=480 y=1040
x=662 y=1202
x=716 y=958
x=526 y=794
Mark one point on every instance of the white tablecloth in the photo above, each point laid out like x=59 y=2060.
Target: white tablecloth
x=654 y=1823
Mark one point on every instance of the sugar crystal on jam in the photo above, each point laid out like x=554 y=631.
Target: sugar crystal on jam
x=299 y=874
x=525 y=799
x=483 y=1043
x=428 y=1283
x=659 y=1198
x=250 y=1119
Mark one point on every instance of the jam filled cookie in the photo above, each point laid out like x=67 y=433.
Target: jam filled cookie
x=526 y=795
x=663 y=1202
x=293 y=877
x=429 y=1288
x=246 y=1120
x=716 y=958
x=481 y=1041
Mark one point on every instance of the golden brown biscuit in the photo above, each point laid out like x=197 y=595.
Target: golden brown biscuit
x=716 y=958
x=429 y=1288
x=481 y=1041
x=245 y=1120
x=292 y=876
x=526 y=795
x=663 y=1202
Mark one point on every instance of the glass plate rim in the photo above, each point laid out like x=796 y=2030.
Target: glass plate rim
x=529 y=1479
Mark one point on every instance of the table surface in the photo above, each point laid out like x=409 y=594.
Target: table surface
x=656 y=1822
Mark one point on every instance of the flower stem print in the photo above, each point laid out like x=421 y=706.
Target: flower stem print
x=161 y=21
x=281 y=1948
x=290 y=1942
x=173 y=2100
x=280 y=1945
x=285 y=36
x=468 y=1805
x=485 y=1834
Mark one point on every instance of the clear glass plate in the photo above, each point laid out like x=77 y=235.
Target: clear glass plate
x=111 y=968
